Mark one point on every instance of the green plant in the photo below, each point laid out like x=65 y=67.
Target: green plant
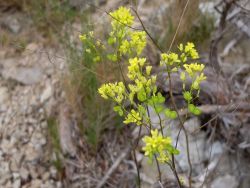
x=55 y=143
x=135 y=94
x=87 y=69
x=49 y=17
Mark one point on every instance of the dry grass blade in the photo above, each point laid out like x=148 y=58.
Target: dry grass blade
x=113 y=167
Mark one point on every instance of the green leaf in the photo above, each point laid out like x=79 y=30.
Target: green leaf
x=111 y=40
x=197 y=111
x=112 y=57
x=170 y=114
x=187 y=96
x=191 y=108
x=141 y=110
x=141 y=95
x=159 y=108
x=175 y=151
x=194 y=110
x=161 y=99
x=195 y=85
x=119 y=110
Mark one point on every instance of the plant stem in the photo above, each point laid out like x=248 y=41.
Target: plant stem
x=182 y=127
x=158 y=168
x=137 y=168
x=174 y=171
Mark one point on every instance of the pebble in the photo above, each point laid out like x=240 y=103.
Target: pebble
x=47 y=93
x=24 y=173
x=17 y=183
x=227 y=181
x=23 y=75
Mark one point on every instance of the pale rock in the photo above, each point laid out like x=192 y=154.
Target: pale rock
x=196 y=150
x=4 y=178
x=31 y=154
x=150 y=170
x=36 y=183
x=227 y=181
x=15 y=175
x=192 y=125
x=214 y=150
x=47 y=93
x=65 y=132
x=30 y=48
x=24 y=173
x=8 y=184
x=59 y=184
x=4 y=168
x=16 y=184
x=12 y=24
x=13 y=166
x=44 y=125
x=47 y=184
x=43 y=141
x=4 y=96
x=53 y=172
x=23 y=75
x=46 y=176
x=33 y=172
x=37 y=140
x=207 y=8
x=1 y=154
x=6 y=146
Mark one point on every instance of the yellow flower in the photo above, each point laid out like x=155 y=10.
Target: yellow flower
x=115 y=91
x=191 y=51
x=159 y=146
x=122 y=16
x=82 y=37
x=133 y=117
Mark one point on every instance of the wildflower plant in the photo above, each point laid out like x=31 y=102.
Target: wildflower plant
x=138 y=91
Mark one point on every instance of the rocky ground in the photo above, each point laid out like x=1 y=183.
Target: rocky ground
x=27 y=85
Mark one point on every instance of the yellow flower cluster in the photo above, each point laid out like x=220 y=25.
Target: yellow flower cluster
x=141 y=91
x=159 y=146
x=195 y=71
x=136 y=43
x=122 y=16
x=134 y=68
x=189 y=51
x=83 y=37
x=133 y=117
x=169 y=59
x=114 y=91
x=144 y=85
x=91 y=46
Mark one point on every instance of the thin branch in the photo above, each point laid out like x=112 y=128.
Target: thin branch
x=114 y=167
x=179 y=24
x=144 y=29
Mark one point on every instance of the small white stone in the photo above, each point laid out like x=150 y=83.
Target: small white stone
x=226 y=181
x=16 y=184
x=46 y=176
x=36 y=183
x=3 y=95
x=4 y=178
x=47 y=93
x=16 y=175
x=31 y=154
x=24 y=173
x=53 y=172
x=13 y=166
